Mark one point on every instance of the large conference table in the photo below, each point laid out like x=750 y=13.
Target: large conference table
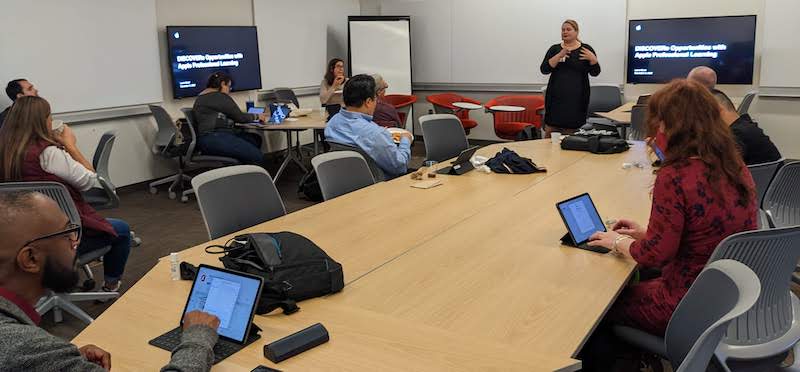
x=469 y=275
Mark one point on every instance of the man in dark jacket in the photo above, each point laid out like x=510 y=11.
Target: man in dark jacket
x=754 y=145
x=38 y=253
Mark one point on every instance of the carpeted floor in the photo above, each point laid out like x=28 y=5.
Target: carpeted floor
x=166 y=226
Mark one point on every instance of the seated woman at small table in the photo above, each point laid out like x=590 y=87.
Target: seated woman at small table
x=701 y=195
x=385 y=114
x=216 y=134
x=330 y=89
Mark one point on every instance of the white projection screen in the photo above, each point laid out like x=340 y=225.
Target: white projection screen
x=381 y=45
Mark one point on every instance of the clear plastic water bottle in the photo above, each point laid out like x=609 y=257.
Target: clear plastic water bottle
x=175 y=267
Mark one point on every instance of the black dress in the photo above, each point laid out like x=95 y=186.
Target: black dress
x=567 y=98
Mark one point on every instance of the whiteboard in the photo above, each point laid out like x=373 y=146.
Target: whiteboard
x=382 y=47
x=83 y=55
x=780 y=53
x=477 y=41
x=296 y=38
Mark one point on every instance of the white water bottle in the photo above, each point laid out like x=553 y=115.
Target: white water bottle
x=174 y=269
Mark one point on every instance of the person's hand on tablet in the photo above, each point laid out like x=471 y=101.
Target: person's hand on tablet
x=630 y=228
x=200 y=318
x=263 y=118
x=618 y=244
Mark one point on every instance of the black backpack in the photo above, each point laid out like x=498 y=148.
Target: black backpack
x=297 y=269
x=596 y=144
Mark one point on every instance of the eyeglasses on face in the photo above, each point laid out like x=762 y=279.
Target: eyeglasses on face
x=72 y=232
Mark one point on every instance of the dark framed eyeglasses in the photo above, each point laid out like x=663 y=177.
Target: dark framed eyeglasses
x=73 y=232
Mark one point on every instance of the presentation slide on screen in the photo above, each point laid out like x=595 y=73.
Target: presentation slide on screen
x=198 y=52
x=660 y=50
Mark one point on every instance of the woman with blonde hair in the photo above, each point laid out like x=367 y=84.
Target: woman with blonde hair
x=31 y=151
x=569 y=64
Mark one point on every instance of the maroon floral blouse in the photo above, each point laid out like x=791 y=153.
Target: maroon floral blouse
x=689 y=217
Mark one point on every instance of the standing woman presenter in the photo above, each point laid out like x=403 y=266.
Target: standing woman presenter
x=569 y=65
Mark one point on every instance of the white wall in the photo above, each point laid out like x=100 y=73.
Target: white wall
x=132 y=160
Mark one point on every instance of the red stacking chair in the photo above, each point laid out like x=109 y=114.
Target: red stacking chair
x=443 y=104
x=401 y=102
x=508 y=124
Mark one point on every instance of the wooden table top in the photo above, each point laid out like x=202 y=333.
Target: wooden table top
x=620 y=114
x=465 y=276
x=311 y=121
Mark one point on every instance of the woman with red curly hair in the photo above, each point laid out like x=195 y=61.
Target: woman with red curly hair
x=702 y=194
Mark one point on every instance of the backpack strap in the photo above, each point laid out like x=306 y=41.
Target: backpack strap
x=268 y=305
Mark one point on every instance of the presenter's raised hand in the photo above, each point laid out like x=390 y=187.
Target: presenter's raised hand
x=587 y=55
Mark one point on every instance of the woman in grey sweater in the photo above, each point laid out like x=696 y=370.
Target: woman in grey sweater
x=215 y=112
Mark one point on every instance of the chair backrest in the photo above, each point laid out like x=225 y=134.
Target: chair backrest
x=642 y=100
x=443 y=104
x=341 y=172
x=443 y=135
x=286 y=95
x=102 y=154
x=400 y=100
x=744 y=106
x=54 y=190
x=762 y=176
x=724 y=290
x=188 y=112
x=236 y=197
x=402 y=103
x=533 y=104
x=782 y=199
x=772 y=254
x=604 y=98
x=377 y=173
x=166 y=128
x=638 y=129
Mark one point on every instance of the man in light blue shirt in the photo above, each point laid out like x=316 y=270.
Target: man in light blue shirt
x=353 y=126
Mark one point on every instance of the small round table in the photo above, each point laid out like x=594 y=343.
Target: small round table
x=502 y=108
x=467 y=105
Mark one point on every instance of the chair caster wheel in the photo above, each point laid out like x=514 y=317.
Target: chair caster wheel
x=184 y=199
x=172 y=195
x=88 y=285
x=153 y=190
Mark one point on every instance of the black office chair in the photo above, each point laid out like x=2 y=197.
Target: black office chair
x=65 y=301
x=179 y=144
x=286 y=95
x=105 y=196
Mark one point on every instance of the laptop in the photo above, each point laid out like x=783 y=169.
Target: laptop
x=582 y=220
x=462 y=164
x=278 y=113
x=257 y=111
x=230 y=295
